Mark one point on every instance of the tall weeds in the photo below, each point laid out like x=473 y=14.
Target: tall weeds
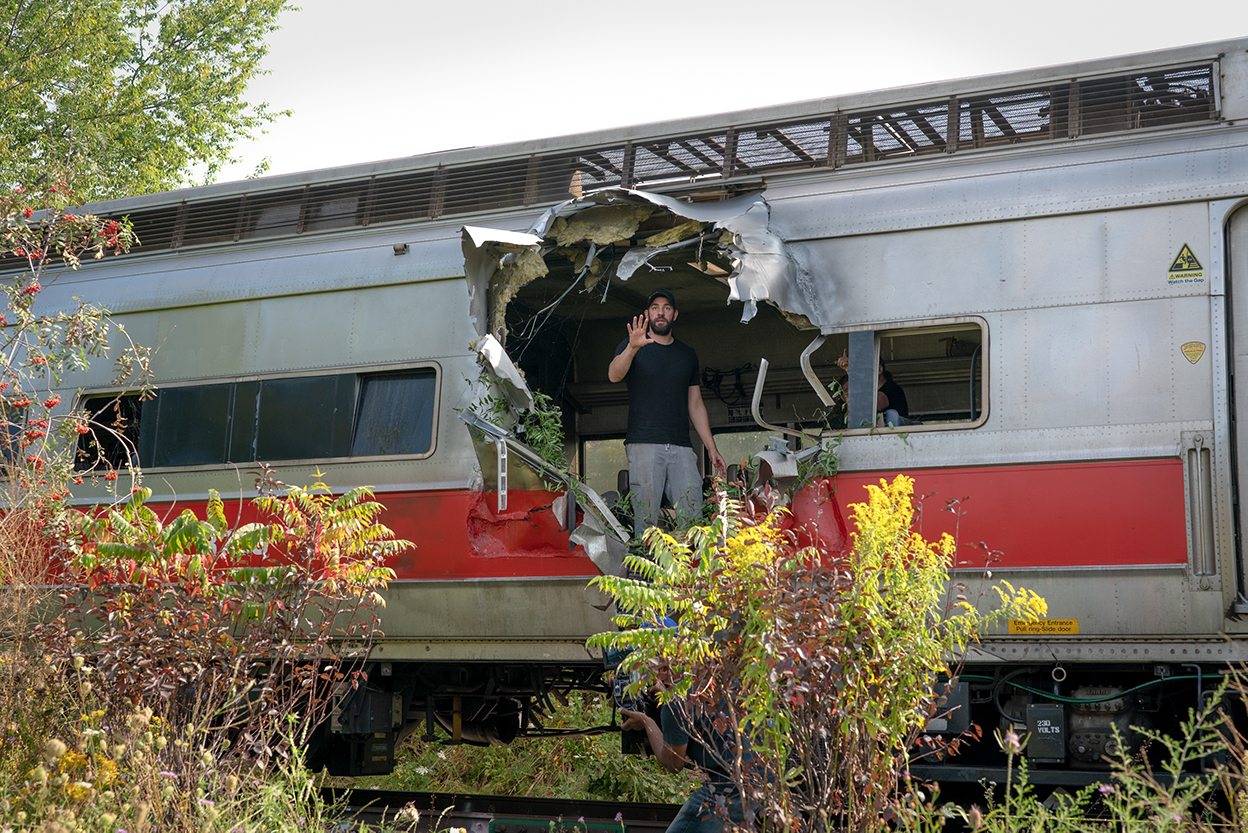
x=817 y=666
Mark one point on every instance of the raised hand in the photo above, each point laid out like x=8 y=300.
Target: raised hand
x=639 y=333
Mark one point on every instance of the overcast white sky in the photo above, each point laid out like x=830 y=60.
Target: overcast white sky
x=378 y=79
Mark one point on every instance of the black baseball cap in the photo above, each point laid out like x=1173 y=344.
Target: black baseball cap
x=661 y=293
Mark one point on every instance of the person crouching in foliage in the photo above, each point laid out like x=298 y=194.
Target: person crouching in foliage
x=689 y=736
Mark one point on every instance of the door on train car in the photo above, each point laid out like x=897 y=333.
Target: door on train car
x=1237 y=287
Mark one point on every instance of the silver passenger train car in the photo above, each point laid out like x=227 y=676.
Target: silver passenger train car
x=1044 y=261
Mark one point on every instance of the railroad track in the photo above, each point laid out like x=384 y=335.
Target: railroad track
x=497 y=814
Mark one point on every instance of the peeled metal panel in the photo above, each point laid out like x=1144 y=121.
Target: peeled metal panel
x=396 y=413
x=192 y=425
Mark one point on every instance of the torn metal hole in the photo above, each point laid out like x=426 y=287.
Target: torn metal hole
x=608 y=236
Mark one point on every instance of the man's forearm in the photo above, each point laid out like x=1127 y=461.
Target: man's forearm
x=620 y=364
x=664 y=754
x=669 y=757
x=702 y=425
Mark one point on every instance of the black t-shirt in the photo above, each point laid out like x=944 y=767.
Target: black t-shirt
x=658 y=392
x=896 y=397
x=710 y=750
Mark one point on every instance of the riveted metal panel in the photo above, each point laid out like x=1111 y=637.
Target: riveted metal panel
x=349 y=260
x=513 y=610
x=1038 y=262
x=1105 y=364
x=1109 y=651
x=197 y=342
x=410 y=322
x=1119 y=602
x=1105 y=176
x=1233 y=77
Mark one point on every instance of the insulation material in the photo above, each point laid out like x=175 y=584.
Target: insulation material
x=577 y=258
x=763 y=267
x=600 y=225
x=516 y=272
x=484 y=249
x=797 y=320
x=675 y=234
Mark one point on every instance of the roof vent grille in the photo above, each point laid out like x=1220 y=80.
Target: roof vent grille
x=1063 y=110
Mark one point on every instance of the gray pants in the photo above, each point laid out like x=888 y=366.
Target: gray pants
x=655 y=469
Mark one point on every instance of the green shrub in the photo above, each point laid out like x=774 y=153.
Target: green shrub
x=821 y=665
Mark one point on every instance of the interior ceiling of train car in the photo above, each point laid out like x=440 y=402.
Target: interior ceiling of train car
x=577 y=258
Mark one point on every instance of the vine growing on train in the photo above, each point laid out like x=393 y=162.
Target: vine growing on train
x=539 y=427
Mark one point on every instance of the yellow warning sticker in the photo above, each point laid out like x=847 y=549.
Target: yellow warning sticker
x=1186 y=268
x=1193 y=350
x=1044 y=627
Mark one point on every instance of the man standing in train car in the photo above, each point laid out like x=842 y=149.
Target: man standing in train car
x=664 y=397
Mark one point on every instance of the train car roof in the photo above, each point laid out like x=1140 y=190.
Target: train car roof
x=978 y=86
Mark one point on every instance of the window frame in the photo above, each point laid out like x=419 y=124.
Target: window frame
x=364 y=370
x=910 y=327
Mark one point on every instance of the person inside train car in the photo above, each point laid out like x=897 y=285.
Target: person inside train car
x=686 y=736
x=890 y=399
x=664 y=397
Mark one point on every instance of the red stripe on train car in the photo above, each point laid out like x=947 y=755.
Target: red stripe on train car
x=1096 y=514
x=460 y=535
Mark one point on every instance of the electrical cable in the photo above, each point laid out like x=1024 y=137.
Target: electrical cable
x=996 y=696
x=713 y=379
x=1006 y=680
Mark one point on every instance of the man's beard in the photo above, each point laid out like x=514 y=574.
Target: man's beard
x=661 y=328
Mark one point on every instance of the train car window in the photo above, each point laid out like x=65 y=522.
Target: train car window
x=936 y=374
x=14 y=425
x=739 y=446
x=396 y=413
x=305 y=418
x=191 y=425
x=601 y=463
x=114 y=436
x=296 y=418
